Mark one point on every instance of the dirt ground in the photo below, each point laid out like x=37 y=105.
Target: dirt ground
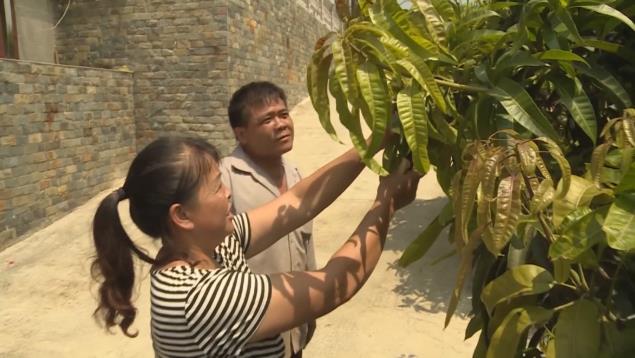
x=47 y=298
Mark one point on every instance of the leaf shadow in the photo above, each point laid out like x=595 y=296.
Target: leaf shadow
x=425 y=286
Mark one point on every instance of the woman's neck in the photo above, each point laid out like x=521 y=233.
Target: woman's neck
x=172 y=254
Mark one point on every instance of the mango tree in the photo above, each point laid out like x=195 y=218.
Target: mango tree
x=524 y=112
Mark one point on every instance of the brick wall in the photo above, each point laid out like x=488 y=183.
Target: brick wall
x=188 y=56
x=66 y=133
x=273 y=40
x=177 y=50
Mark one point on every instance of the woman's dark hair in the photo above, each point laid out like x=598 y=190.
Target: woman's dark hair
x=167 y=171
x=253 y=94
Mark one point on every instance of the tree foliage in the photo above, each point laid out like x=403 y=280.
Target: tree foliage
x=524 y=109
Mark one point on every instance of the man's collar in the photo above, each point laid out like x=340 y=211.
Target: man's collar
x=241 y=161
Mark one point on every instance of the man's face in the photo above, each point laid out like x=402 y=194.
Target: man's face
x=268 y=131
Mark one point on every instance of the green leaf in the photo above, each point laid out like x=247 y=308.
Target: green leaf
x=414 y=119
x=418 y=248
x=350 y=120
x=580 y=193
x=521 y=280
x=380 y=17
x=573 y=97
x=344 y=70
x=582 y=231
x=504 y=341
x=421 y=73
x=608 y=82
x=376 y=104
x=519 y=104
x=619 y=224
x=444 y=8
x=434 y=22
x=317 y=78
x=609 y=11
x=513 y=60
x=577 y=332
x=619 y=341
x=559 y=55
x=627 y=185
x=508 y=205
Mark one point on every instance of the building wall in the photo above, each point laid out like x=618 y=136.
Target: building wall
x=273 y=40
x=188 y=56
x=177 y=51
x=66 y=133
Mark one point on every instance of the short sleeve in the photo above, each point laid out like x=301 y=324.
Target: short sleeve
x=242 y=230
x=224 y=310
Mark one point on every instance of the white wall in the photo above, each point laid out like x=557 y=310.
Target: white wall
x=36 y=38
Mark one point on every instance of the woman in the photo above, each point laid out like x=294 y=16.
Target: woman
x=205 y=301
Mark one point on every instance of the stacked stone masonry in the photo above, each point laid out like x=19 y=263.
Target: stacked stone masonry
x=69 y=132
x=66 y=133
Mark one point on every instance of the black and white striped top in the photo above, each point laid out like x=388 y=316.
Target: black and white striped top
x=212 y=313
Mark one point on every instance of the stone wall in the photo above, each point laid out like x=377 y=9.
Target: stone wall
x=273 y=40
x=177 y=51
x=188 y=56
x=66 y=133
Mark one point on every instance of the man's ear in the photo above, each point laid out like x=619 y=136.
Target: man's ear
x=179 y=218
x=241 y=134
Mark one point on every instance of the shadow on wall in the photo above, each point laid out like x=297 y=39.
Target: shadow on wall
x=426 y=284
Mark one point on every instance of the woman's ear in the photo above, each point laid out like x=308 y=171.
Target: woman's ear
x=179 y=218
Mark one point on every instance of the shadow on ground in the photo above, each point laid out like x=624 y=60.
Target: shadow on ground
x=425 y=285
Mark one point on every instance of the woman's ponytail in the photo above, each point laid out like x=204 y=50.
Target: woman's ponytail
x=115 y=265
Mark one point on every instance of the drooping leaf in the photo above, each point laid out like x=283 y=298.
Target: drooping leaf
x=317 y=77
x=619 y=224
x=420 y=72
x=573 y=97
x=414 y=119
x=505 y=340
x=521 y=280
x=619 y=341
x=563 y=163
x=467 y=256
x=514 y=60
x=345 y=70
x=418 y=248
x=471 y=181
x=489 y=173
x=522 y=108
x=577 y=332
x=350 y=120
x=508 y=205
x=376 y=104
x=543 y=196
x=434 y=22
x=597 y=161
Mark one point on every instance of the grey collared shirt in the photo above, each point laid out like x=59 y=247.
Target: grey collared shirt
x=250 y=188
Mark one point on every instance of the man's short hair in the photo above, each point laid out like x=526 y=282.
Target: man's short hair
x=252 y=95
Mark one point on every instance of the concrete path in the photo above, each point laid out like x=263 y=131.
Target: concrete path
x=47 y=297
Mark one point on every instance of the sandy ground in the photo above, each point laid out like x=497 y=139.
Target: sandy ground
x=47 y=297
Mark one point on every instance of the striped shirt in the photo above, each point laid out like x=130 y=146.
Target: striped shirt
x=212 y=313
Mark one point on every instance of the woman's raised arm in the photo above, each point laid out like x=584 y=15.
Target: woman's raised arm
x=302 y=202
x=298 y=297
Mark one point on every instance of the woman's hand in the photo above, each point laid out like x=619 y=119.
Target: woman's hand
x=399 y=188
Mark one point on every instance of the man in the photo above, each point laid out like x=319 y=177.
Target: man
x=256 y=173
